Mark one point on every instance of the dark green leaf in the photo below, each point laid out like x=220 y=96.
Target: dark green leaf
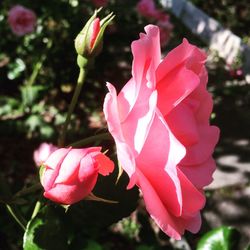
x=91 y=218
x=9 y=105
x=45 y=231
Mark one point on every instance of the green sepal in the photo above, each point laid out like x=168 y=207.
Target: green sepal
x=120 y=171
x=41 y=172
x=98 y=42
x=66 y=207
x=82 y=38
x=82 y=41
x=93 y=197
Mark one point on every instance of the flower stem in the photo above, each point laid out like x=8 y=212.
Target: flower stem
x=94 y=138
x=11 y=208
x=72 y=105
x=17 y=216
x=38 y=65
x=29 y=190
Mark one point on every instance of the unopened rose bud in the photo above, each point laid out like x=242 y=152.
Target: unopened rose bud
x=69 y=175
x=88 y=42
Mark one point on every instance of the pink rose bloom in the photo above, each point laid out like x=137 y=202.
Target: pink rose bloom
x=71 y=174
x=233 y=71
x=21 y=20
x=160 y=123
x=100 y=3
x=164 y=36
x=43 y=152
x=147 y=8
x=166 y=28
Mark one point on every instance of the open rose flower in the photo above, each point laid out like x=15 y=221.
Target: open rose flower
x=21 y=20
x=42 y=153
x=70 y=174
x=160 y=123
x=147 y=8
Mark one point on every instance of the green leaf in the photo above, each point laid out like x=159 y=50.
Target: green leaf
x=9 y=105
x=16 y=68
x=45 y=231
x=33 y=122
x=30 y=93
x=91 y=218
x=46 y=130
x=41 y=171
x=222 y=238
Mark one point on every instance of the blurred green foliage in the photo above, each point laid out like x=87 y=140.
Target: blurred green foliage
x=223 y=238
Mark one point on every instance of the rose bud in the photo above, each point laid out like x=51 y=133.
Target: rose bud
x=88 y=42
x=70 y=174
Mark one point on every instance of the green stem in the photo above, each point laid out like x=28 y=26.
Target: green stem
x=72 y=105
x=17 y=216
x=36 y=209
x=12 y=209
x=38 y=66
x=28 y=190
x=104 y=136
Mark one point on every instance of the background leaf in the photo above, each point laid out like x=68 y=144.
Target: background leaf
x=222 y=238
x=45 y=231
x=92 y=218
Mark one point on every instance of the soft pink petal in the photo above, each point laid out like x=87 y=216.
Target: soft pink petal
x=193 y=223
x=200 y=175
x=158 y=159
x=183 y=124
x=69 y=194
x=146 y=51
x=52 y=167
x=178 y=75
x=179 y=56
x=126 y=99
x=110 y=110
x=56 y=157
x=174 y=87
x=201 y=151
x=193 y=200
x=70 y=166
x=168 y=224
x=105 y=165
x=135 y=127
x=87 y=167
x=201 y=95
